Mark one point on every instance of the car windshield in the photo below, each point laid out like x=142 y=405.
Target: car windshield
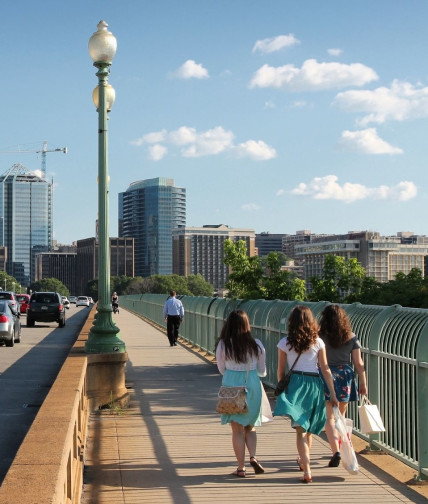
x=44 y=297
x=5 y=295
x=3 y=306
x=21 y=298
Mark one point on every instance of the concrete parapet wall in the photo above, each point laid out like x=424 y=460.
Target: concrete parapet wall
x=48 y=468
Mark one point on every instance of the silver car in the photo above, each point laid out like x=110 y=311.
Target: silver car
x=10 y=325
x=82 y=301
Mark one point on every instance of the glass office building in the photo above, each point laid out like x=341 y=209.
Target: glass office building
x=25 y=220
x=148 y=212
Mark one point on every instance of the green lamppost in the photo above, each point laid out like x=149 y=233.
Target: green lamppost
x=103 y=336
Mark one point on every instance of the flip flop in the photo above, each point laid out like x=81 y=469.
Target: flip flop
x=241 y=473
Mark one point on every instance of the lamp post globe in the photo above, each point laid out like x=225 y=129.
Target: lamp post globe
x=104 y=334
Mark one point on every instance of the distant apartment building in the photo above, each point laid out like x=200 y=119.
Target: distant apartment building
x=59 y=265
x=121 y=260
x=149 y=210
x=25 y=220
x=3 y=258
x=381 y=256
x=268 y=242
x=200 y=250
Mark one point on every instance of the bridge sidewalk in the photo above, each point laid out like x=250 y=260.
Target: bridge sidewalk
x=169 y=446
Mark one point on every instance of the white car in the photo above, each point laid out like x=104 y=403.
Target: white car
x=65 y=302
x=82 y=301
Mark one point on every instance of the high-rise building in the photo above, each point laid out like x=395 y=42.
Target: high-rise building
x=148 y=211
x=25 y=220
x=200 y=250
x=268 y=242
x=121 y=260
x=59 y=265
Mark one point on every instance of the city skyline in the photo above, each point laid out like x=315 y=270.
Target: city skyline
x=296 y=115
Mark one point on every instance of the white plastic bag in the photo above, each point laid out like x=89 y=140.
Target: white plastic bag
x=349 y=459
x=370 y=419
x=266 y=409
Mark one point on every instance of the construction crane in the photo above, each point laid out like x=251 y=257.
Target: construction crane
x=43 y=151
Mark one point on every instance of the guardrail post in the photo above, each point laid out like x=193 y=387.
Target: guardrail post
x=422 y=413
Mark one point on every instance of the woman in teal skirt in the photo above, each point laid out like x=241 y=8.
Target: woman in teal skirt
x=241 y=360
x=303 y=402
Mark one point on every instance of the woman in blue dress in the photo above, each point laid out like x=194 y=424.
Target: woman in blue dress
x=304 y=400
x=342 y=347
x=241 y=360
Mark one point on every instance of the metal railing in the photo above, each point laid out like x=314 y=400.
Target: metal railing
x=394 y=345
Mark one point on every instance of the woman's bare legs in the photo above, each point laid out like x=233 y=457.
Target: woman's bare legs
x=251 y=440
x=330 y=429
x=304 y=443
x=238 y=443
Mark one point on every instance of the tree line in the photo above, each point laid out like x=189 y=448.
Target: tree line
x=342 y=281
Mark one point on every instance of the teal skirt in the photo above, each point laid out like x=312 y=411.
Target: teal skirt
x=304 y=403
x=254 y=397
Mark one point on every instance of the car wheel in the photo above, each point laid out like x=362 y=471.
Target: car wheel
x=61 y=322
x=11 y=342
x=18 y=339
x=30 y=322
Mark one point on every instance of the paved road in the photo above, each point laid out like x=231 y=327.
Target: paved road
x=27 y=372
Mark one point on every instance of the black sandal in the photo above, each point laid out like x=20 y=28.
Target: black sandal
x=258 y=468
x=241 y=473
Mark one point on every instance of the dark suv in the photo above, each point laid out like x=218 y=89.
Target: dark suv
x=45 y=307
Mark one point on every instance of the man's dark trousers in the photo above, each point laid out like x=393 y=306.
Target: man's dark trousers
x=172 y=325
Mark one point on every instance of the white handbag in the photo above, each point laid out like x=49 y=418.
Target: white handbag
x=370 y=419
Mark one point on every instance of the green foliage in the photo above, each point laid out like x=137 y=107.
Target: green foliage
x=254 y=278
x=50 y=285
x=9 y=283
x=341 y=281
x=198 y=286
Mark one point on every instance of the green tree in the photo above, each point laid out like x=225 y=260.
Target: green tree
x=244 y=279
x=341 y=280
x=198 y=286
x=9 y=283
x=50 y=285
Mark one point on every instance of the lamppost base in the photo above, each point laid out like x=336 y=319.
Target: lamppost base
x=104 y=335
x=106 y=381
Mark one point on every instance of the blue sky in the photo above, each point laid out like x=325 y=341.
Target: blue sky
x=275 y=115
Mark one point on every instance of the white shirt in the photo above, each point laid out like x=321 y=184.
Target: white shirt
x=258 y=363
x=308 y=361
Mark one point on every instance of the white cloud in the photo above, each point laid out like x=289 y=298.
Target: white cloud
x=154 y=137
x=250 y=207
x=366 y=141
x=258 y=151
x=335 y=52
x=269 y=45
x=299 y=104
x=328 y=188
x=313 y=76
x=206 y=143
x=400 y=102
x=209 y=143
x=280 y=192
x=190 y=69
x=269 y=104
x=157 y=152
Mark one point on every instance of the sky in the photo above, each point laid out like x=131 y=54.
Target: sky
x=274 y=115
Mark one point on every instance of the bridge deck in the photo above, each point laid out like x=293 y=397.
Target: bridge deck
x=169 y=446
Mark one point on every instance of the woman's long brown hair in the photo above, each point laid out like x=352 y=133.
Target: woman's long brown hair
x=302 y=329
x=237 y=339
x=335 y=325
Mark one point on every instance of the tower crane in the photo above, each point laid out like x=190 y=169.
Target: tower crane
x=43 y=152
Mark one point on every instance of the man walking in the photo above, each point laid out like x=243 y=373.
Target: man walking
x=173 y=313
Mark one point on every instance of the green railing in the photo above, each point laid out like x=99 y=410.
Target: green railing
x=395 y=351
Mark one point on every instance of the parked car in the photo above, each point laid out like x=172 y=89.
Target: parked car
x=73 y=299
x=65 y=302
x=10 y=325
x=46 y=307
x=23 y=300
x=82 y=301
x=10 y=296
